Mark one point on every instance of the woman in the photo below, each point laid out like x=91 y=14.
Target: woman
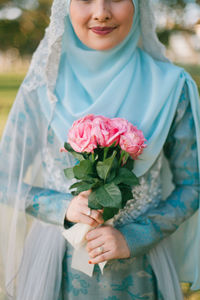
x=89 y=62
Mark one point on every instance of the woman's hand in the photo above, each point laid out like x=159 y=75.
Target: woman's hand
x=106 y=243
x=79 y=212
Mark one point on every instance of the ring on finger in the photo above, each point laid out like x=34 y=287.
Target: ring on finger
x=89 y=213
x=100 y=250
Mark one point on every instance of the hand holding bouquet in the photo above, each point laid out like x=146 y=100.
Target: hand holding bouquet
x=106 y=150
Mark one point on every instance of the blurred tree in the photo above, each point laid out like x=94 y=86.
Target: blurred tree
x=179 y=2
x=25 y=32
x=177 y=18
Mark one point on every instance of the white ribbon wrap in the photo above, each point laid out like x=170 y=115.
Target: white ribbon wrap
x=80 y=258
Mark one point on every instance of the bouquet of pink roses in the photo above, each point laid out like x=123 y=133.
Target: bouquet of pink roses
x=106 y=149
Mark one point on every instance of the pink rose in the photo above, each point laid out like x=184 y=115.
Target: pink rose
x=107 y=131
x=132 y=141
x=80 y=135
x=101 y=130
x=119 y=127
x=90 y=131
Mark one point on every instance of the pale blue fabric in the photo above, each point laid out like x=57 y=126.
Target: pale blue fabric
x=88 y=81
x=124 y=82
x=135 y=278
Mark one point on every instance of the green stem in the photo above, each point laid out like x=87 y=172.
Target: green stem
x=121 y=157
x=93 y=157
x=105 y=153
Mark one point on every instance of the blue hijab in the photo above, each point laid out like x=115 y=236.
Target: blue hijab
x=121 y=82
x=125 y=82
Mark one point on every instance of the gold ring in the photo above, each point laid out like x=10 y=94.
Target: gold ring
x=89 y=213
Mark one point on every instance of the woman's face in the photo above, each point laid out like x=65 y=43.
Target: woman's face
x=101 y=24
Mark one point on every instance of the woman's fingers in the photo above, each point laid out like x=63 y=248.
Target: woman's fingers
x=99 y=251
x=94 y=244
x=97 y=216
x=79 y=212
x=105 y=243
x=105 y=256
x=87 y=220
x=94 y=216
x=94 y=234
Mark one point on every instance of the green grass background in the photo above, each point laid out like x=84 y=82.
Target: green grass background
x=9 y=85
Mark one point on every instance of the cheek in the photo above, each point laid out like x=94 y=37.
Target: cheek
x=78 y=15
x=126 y=14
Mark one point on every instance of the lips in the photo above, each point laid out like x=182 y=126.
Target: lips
x=102 y=30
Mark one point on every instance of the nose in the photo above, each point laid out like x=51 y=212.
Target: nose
x=102 y=11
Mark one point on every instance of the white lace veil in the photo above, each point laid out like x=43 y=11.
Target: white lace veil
x=22 y=269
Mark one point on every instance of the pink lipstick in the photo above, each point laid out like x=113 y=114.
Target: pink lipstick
x=102 y=30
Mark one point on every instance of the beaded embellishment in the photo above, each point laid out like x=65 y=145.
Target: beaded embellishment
x=147 y=193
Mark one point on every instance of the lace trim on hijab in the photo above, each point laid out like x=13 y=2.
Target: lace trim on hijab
x=45 y=62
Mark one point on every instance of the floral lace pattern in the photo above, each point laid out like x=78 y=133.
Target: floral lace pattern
x=53 y=172
x=146 y=194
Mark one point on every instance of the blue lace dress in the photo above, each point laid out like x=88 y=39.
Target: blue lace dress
x=146 y=220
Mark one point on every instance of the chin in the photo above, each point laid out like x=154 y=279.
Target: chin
x=101 y=47
x=99 y=43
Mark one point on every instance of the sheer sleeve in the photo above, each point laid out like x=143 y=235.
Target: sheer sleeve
x=181 y=151
x=49 y=198
x=22 y=148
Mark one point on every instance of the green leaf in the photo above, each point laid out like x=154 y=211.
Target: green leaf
x=69 y=173
x=127 y=177
x=77 y=155
x=87 y=183
x=109 y=195
x=83 y=169
x=81 y=186
x=104 y=167
x=109 y=212
x=75 y=193
x=89 y=179
x=68 y=147
x=129 y=164
x=97 y=183
x=113 y=171
x=92 y=201
x=126 y=192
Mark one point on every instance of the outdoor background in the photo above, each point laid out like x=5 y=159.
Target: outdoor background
x=22 y=25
